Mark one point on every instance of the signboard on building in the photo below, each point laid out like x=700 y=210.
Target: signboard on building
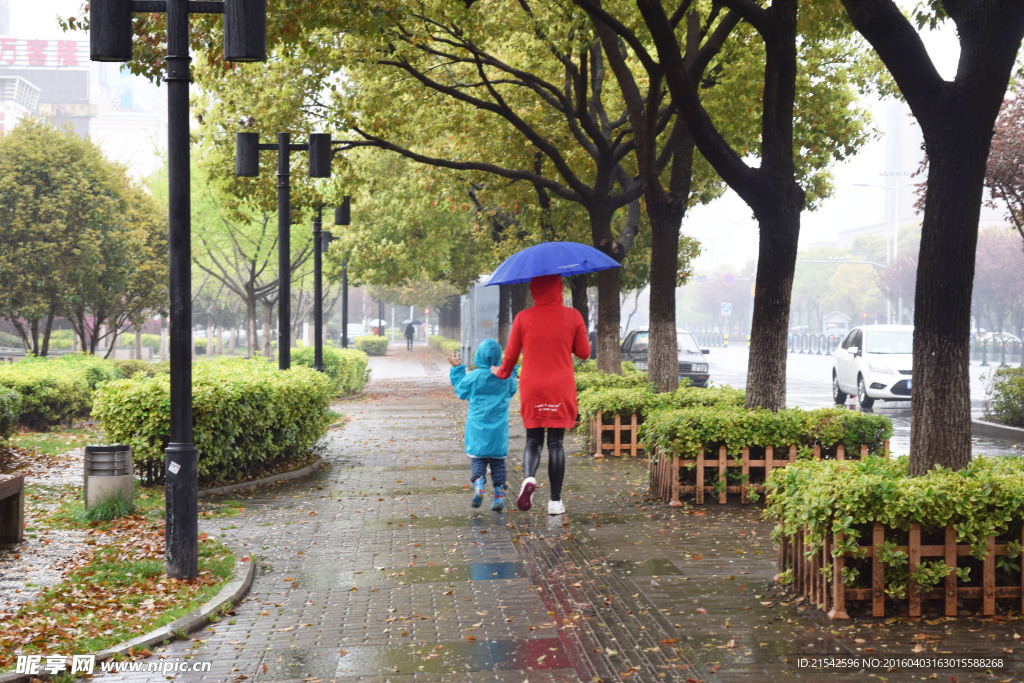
x=23 y=53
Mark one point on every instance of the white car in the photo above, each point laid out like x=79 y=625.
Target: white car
x=874 y=362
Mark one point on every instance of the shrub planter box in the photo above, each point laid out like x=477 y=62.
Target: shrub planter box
x=865 y=533
x=819 y=576
x=672 y=476
x=618 y=437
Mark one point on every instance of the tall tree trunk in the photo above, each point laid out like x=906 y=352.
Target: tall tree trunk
x=776 y=263
x=663 y=353
x=609 y=355
x=449 y=316
x=520 y=298
x=164 y=339
x=138 y=342
x=268 y=313
x=251 y=344
x=578 y=290
x=940 y=424
x=504 y=313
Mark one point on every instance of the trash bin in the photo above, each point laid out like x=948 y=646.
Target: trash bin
x=108 y=473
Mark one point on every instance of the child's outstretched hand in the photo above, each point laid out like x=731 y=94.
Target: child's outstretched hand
x=455 y=362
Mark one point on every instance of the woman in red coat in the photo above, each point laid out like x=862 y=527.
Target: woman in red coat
x=548 y=334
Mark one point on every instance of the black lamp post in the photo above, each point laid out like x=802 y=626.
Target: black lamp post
x=247 y=163
x=110 y=38
x=321 y=243
x=343 y=216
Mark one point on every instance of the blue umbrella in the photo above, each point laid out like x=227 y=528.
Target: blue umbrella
x=551 y=258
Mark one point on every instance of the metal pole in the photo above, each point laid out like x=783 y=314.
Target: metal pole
x=380 y=318
x=344 y=304
x=181 y=484
x=284 y=253
x=318 y=297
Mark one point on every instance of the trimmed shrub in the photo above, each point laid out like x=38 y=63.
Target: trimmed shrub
x=131 y=368
x=589 y=377
x=51 y=393
x=1006 y=397
x=248 y=416
x=818 y=498
x=96 y=370
x=371 y=345
x=642 y=400
x=685 y=432
x=449 y=347
x=345 y=367
x=11 y=341
x=10 y=409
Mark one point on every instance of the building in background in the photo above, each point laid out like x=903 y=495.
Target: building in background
x=45 y=73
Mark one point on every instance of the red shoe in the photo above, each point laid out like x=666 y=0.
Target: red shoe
x=525 y=501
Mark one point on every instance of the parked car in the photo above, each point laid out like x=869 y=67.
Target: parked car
x=692 y=364
x=355 y=330
x=874 y=362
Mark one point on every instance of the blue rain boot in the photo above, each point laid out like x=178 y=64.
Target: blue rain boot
x=478 y=492
x=499 y=499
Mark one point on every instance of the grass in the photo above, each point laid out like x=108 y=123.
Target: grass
x=119 y=593
x=58 y=441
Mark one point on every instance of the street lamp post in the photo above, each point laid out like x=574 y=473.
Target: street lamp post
x=321 y=243
x=247 y=163
x=343 y=216
x=110 y=38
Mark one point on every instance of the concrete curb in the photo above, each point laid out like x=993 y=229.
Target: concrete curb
x=229 y=595
x=993 y=430
x=272 y=479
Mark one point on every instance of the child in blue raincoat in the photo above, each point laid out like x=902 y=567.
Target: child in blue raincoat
x=487 y=420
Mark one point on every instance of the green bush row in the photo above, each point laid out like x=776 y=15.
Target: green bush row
x=371 y=344
x=589 y=377
x=822 y=497
x=55 y=390
x=248 y=416
x=642 y=400
x=1006 y=397
x=449 y=347
x=686 y=431
x=10 y=409
x=345 y=367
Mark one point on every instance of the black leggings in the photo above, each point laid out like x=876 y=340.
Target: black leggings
x=556 y=456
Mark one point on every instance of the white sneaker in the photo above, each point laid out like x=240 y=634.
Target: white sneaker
x=556 y=507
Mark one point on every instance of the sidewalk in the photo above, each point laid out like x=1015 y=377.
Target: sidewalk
x=376 y=569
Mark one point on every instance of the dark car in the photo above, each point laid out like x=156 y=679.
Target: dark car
x=692 y=364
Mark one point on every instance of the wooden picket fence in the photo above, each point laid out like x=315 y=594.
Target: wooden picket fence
x=665 y=472
x=827 y=590
x=624 y=436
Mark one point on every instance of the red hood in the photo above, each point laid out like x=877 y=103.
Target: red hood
x=546 y=290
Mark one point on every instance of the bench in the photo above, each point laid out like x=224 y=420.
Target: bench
x=12 y=508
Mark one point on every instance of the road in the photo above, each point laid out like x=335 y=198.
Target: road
x=809 y=386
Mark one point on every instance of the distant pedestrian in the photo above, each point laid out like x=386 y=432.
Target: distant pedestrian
x=548 y=334
x=410 y=332
x=487 y=419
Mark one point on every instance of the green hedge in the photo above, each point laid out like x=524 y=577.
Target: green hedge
x=1006 y=397
x=371 y=344
x=345 y=367
x=685 y=432
x=248 y=416
x=449 y=347
x=96 y=370
x=642 y=400
x=984 y=499
x=52 y=392
x=131 y=367
x=10 y=409
x=589 y=377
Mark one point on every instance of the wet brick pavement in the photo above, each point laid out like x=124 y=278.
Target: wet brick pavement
x=375 y=568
